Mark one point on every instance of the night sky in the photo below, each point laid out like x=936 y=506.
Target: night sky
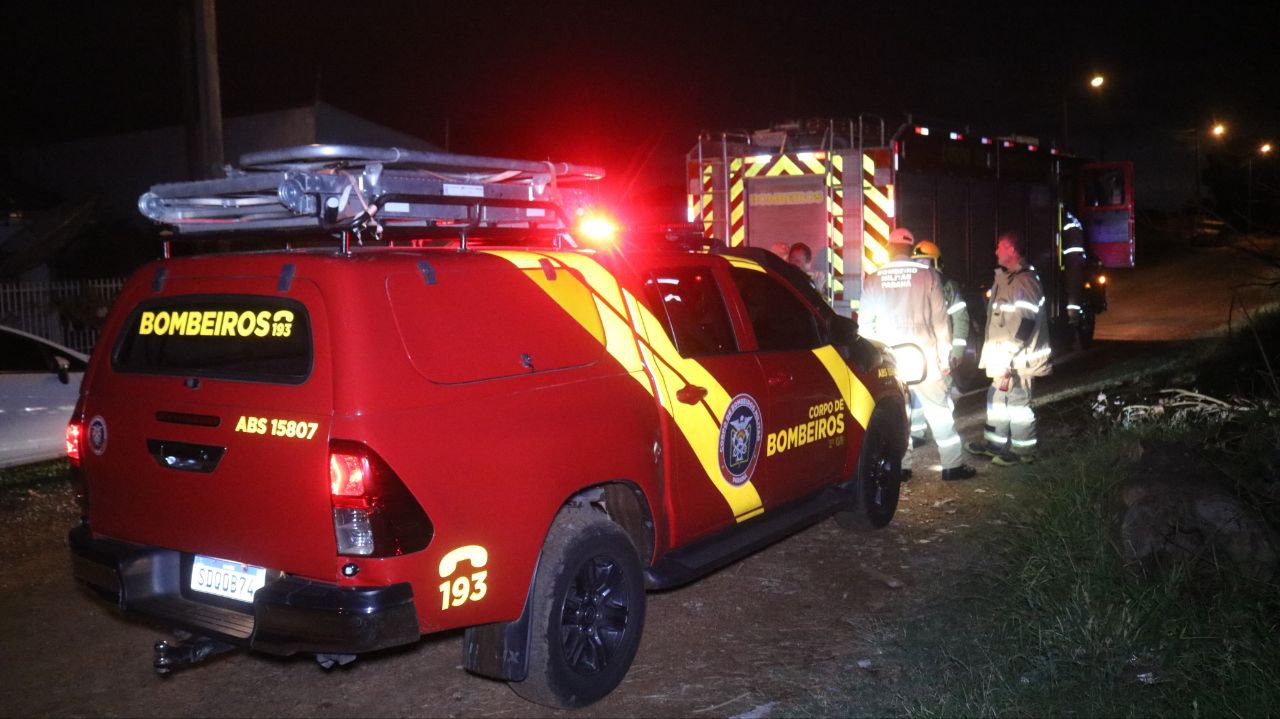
x=629 y=86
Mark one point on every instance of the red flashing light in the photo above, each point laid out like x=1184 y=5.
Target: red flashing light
x=1006 y=143
x=75 y=430
x=986 y=141
x=956 y=136
x=1031 y=148
x=598 y=229
x=922 y=131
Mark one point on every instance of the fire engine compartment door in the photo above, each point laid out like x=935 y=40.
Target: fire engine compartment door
x=1106 y=211
x=789 y=210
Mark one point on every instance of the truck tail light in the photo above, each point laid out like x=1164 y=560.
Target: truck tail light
x=75 y=431
x=374 y=514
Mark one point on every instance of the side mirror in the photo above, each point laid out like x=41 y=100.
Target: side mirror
x=63 y=368
x=844 y=333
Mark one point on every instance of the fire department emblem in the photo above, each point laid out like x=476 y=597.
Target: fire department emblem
x=98 y=434
x=740 y=434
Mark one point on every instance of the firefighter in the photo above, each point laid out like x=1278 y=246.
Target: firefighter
x=902 y=304
x=1074 y=259
x=801 y=256
x=1015 y=352
x=928 y=254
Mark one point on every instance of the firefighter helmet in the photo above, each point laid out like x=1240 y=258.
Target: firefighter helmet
x=926 y=250
x=901 y=236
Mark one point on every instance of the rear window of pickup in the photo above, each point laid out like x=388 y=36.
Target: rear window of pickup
x=255 y=338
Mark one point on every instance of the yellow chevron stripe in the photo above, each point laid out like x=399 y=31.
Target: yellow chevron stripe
x=874 y=222
x=755 y=168
x=699 y=424
x=881 y=200
x=784 y=166
x=814 y=165
x=868 y=165
x=856 y=396
x=875 y=253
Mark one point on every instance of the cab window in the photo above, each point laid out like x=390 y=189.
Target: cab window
x=780 y=319
x=697 y=320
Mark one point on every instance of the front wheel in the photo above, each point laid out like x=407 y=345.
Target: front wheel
x=879 y=473
x=587 y=612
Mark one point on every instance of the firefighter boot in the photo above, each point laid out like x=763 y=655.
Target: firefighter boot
x=983 y=449
x=1009 y=459
x=953 y=474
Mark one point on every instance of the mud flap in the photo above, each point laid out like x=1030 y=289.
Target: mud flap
x=500 y=650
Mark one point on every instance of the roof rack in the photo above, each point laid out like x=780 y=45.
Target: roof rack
x=355 y=189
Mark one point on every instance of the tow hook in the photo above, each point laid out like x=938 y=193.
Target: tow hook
x=329 y=661
x=181 y=653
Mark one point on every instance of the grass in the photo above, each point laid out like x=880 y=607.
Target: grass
x=28 y=475
x=1048 y=621
x=1057 y=625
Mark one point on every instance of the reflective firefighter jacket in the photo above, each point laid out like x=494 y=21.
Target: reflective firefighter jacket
x=902 y=303
x=1074 y=259
x=1017 y=326
x=958 y=315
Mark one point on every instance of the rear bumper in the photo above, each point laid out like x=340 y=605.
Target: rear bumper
x=288 y=616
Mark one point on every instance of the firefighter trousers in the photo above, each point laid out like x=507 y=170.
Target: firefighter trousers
x=1011 y=424
x=937 y=410
x=920 y=425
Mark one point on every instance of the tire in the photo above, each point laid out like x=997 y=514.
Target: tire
x=1085 y=328
x=587 y=612
x=878 y=477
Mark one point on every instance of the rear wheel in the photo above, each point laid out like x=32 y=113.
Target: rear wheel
x=879 y=473
x=587 y=612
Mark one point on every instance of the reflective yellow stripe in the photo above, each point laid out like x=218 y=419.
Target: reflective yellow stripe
x=699 y=423
x=744 y=264
x=856 y=396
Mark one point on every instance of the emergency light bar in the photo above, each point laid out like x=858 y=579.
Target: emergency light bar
x=347 y=187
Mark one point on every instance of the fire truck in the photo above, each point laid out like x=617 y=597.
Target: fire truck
x=840 y=187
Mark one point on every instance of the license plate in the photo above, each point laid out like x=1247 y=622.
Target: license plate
x=225 y=578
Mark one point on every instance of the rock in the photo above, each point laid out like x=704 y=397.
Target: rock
x=1177 y=508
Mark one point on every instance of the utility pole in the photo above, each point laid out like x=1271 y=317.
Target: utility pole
x=206 y=152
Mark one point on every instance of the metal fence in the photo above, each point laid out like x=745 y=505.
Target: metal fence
x=69 y=312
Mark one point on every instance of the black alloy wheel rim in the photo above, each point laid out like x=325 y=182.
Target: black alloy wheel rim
x=593 y=621
x=879 y=475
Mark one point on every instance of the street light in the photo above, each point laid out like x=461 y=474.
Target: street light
x=1219 y=129
x=1096 y=82
x=1265 y=149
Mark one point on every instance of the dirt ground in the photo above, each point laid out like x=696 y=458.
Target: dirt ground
x=767 y=632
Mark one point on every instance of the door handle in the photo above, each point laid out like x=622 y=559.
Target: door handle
x=691 y=394
x=779 y=380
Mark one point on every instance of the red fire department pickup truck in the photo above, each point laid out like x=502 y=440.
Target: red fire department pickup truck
x=470 y=422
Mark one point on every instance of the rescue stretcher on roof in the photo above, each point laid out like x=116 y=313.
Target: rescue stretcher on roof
x=347 y=187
